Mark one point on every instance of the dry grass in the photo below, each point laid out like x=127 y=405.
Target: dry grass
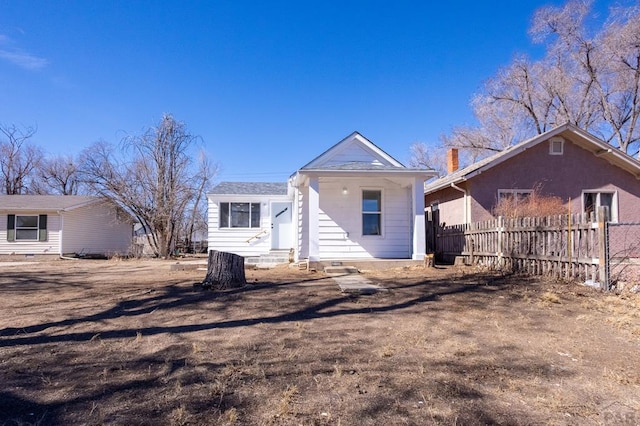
x=443 y=346
x=550 y=297
x=534 y=205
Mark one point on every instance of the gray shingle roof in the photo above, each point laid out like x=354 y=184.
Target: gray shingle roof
x=44 y=202
x=250 y=188
x=576 y=135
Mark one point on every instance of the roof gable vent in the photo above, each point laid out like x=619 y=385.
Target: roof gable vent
x=556 y=145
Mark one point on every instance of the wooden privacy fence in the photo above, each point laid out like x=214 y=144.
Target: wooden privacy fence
x=566 y=246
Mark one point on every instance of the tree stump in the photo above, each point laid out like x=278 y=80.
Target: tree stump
x=224 y=271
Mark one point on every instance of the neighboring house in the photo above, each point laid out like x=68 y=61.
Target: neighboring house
x=62 y=224
x=565 y=162
x=354 y=201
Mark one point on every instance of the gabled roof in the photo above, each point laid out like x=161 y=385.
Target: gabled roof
x=250 y=188
x=45 y=202
x=576 y=135
x=370 y=154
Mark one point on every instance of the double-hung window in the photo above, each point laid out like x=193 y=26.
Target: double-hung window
x=371 y=212
x=239 y=215
x=26 y=227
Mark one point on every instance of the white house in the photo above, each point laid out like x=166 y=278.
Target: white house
x=62 y=224
x=354 y=201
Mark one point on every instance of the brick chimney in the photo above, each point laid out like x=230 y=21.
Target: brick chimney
x=452 y=160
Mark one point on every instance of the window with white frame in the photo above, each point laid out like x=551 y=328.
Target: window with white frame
x=26 y=227
x=556 y=146
x=371 y=212
x=239 y=215
x=591 y=200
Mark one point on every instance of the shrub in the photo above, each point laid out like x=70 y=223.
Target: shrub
x=533 y=205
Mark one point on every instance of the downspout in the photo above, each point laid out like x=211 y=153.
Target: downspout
x=465 y=209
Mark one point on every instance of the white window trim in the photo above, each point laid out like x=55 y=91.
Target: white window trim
x=614 y=201
x=382 y=214
x=37 y=228
x=238 y=228
x=552 y=142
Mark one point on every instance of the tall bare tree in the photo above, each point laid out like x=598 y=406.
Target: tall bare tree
x=154 y=180
x=590 y=77
x=18 y=158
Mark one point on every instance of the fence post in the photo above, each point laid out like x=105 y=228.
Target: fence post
x=601 y=217
x=500 y=236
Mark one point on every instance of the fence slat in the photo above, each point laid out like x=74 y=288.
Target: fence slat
x=561 y=246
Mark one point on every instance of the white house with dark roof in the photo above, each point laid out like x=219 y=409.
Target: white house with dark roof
x=250 y=218
x=354 y=201
x=62 y=224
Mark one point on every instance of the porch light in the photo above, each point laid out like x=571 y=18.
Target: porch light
x=345 y=191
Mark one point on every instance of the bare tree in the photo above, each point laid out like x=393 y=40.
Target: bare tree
x=156 y=183
x=196 y=221
x=589 y=77
x=424 y=156
x=619 y=90
x=58 y=175
x=18 y=158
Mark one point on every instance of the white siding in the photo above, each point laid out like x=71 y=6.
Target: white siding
x=354 y=152
x=97 y=229
x=241 y=241
x=340 y=218
x=51 y=246
x=303 y=222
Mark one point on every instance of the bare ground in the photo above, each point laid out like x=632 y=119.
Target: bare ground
x=132 y=342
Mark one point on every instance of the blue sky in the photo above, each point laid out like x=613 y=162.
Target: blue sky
x=267 y=85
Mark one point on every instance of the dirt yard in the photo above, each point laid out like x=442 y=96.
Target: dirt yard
x=132 y=342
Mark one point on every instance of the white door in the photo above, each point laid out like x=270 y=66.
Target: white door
x=281 y=226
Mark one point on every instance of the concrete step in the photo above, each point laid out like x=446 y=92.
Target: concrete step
x=256 y=260
x=340 y=270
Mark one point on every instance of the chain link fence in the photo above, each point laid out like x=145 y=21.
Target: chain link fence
x=623 y=256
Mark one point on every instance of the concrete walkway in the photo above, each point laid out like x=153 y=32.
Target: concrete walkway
x=349 y=281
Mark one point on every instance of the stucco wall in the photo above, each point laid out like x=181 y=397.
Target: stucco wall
x=565 y=176
x=450 y=204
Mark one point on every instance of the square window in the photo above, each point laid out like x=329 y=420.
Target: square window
x=26 y=228
x=556 y=146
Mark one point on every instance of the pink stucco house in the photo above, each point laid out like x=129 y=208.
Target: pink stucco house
x=566 y=162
